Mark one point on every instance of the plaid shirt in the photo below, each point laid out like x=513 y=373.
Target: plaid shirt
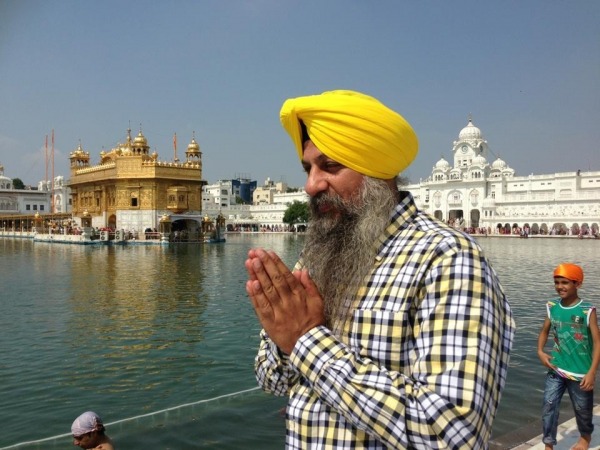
x=423 y=360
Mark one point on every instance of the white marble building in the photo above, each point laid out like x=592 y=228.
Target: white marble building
x=475 y=194
x=30 y=201
x=270 y=201
x=21 y=201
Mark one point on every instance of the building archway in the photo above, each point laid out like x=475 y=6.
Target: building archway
x=559 y=229
x=585 y=229
x=185 y=230
x=475 y=216
x=455 y=217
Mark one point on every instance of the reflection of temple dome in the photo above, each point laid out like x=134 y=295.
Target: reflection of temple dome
x=442 y=164
x=470 y=132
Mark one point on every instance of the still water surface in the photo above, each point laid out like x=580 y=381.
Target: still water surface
x=161 y=339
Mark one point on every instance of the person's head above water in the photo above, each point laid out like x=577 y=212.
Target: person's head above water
x=88 y=432
x=86 y=423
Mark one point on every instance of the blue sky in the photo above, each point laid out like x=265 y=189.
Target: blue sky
x=527 y=71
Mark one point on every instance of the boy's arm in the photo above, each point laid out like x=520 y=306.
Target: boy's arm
x=545 y=358
x=587 y=383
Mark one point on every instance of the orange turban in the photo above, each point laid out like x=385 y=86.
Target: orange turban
x=569 y=271
x=353 y=129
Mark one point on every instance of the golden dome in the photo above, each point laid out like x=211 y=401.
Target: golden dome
x=193 y=147
x=78 y=152
x=140 y=140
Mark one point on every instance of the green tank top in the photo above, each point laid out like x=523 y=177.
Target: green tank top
x=573 y=345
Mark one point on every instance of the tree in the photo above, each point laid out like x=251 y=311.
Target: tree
x=18 y=183
x=296 y=212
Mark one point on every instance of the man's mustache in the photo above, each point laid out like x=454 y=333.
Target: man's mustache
x=324 y=199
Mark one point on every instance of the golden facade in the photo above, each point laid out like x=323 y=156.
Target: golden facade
x=131 y=188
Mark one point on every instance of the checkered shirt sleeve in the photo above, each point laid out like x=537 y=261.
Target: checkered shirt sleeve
x=423 y=360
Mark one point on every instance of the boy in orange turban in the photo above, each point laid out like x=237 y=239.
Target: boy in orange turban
x=575 y=356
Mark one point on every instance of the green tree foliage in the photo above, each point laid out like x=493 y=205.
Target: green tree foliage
x=18 y=183
x=296 y=212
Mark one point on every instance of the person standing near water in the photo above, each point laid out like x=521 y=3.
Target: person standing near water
x=393 y=330
x=575 y=356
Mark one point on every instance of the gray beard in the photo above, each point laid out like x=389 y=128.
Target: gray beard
x=340 y=248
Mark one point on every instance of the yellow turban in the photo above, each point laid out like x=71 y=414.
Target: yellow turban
x=353 y=129
x=569 y=271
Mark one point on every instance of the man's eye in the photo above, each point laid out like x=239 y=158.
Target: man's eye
x=332 y=165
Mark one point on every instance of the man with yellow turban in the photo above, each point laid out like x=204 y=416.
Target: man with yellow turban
x=393 y=330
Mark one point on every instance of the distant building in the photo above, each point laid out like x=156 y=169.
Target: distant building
x=60 y=193
x=265 y=194
x=474 y=194
x=21 y=201
x=132 y=189
x=228 y=192
x=269 y=203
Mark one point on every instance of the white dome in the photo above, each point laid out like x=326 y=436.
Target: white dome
x=499 y=164
x=442 y=164
x=479 y=160
x=5 y=182
x=470 y=132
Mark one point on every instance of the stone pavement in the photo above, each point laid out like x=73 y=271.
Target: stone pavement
x=567 y=436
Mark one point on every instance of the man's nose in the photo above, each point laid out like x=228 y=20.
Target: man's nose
x=316 y=182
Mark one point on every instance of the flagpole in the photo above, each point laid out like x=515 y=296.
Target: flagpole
x=175 y=147
x=46 y=162
x=52 y=180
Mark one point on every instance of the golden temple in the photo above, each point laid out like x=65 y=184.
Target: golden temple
x=132 y=189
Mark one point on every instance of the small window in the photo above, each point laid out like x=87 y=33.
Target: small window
x=134 y=201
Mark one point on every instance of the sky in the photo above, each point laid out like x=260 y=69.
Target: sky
x=527 y=72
